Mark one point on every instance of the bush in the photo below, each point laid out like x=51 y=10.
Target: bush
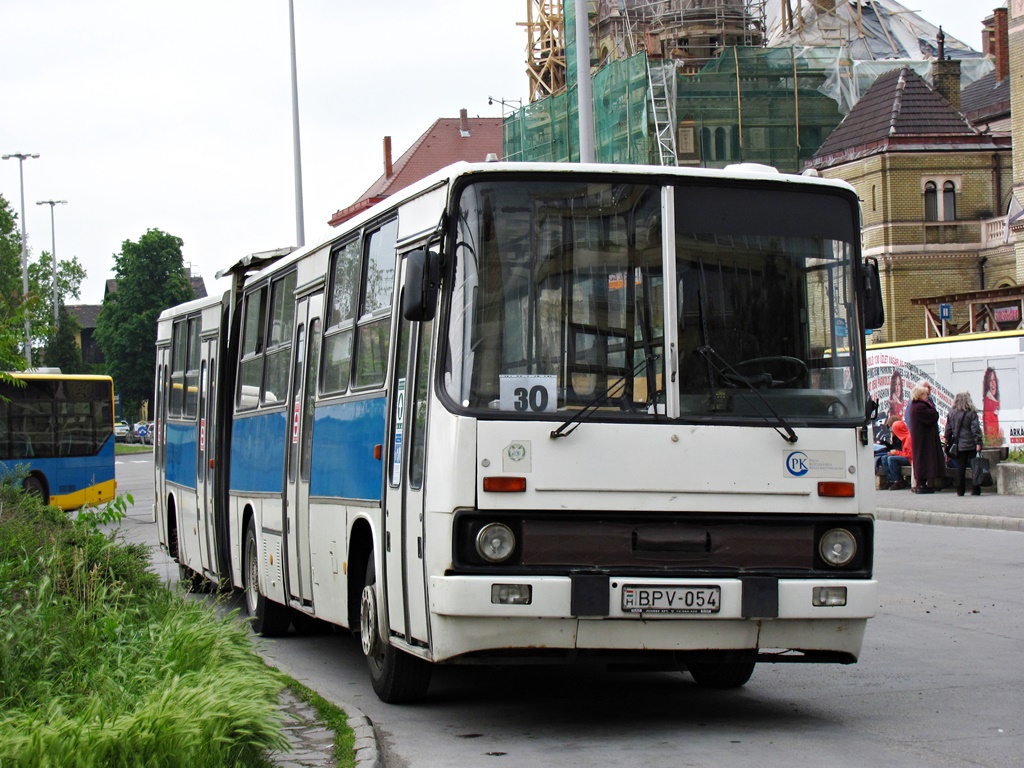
x=100 y=665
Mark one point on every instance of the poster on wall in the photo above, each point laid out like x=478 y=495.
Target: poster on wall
x=989 y=368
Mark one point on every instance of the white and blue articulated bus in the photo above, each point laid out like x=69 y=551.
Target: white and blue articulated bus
x=536 y=412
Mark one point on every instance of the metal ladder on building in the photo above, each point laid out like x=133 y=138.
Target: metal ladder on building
x=663 y=108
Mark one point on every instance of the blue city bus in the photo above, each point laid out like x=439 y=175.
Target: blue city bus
x=57 y=435
x=522 y=413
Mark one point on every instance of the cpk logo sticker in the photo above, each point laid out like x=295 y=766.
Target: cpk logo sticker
x=796 y=464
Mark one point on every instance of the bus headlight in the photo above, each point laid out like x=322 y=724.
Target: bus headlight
x=495 y=542
x=837 y=547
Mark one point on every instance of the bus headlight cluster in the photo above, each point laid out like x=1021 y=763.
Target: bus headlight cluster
x=495 y=542
x=837 y=547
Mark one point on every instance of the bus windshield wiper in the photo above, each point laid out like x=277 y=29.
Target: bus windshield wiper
x=613 y=391
x=708 y=353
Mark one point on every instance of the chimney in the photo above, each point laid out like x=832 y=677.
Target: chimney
x=388 y=169
x=463 y=124
x=946 y=74
x=1002 y=44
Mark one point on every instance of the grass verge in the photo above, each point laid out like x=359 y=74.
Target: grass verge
x=101 y=665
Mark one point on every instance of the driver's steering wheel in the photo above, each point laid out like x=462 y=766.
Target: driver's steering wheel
x=765 y=379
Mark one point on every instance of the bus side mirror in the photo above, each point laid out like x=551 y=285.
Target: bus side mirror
x=872 y=308
x=419 y=300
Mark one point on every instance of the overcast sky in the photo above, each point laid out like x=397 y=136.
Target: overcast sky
x=153 y=114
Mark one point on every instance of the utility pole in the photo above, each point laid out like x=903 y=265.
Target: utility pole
x=22 y=157
x=53 y=252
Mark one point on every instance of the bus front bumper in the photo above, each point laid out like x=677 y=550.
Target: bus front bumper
x=784 y=615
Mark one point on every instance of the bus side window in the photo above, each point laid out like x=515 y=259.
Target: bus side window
x=337 y=363
x=250 y=374
x=192 y=370
x=373 y=330
x=279 y=342
x=179 y=356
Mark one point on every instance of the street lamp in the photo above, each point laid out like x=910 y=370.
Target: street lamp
x=300 y=227
x=22 y=157
x=53 y=251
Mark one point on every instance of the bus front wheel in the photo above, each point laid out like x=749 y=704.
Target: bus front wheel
x=722 y=671
x=269 y=619
x=397 y=677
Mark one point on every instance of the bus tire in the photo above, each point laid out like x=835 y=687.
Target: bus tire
x=397 y=677
x=720 y=671
x=269 y=619
x=191 y=580
x=34 y=487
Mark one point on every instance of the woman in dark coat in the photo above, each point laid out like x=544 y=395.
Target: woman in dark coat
x=964 y=431
x=928 y=460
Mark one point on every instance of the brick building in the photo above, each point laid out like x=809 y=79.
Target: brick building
x=930 y=185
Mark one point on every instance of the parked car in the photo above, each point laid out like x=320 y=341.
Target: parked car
x=122 y=431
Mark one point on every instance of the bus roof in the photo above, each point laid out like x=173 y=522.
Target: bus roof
x=51 y=375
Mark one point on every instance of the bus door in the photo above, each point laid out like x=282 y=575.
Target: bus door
x=306 y=358
x=163 y=360
x=403 y=514
x=205 y=456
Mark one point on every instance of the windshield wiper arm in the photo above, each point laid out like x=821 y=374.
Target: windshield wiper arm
x=707 y=352
x=618 y=387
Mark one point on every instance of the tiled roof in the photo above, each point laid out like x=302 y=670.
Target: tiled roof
x=196 y=281
x=986 y=97
x=85 y=314
x=447 y=141
x=900 y=104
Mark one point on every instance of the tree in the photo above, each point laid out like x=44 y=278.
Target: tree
x=61 y=348
x=70 y=275
x=12 y=303
x=150 y=277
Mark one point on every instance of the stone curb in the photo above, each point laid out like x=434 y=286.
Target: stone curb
x=955 y=519
x=366 y=748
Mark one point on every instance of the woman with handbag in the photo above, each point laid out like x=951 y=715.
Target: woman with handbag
x=963 y=438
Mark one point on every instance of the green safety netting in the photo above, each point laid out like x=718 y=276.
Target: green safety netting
x=763 y=105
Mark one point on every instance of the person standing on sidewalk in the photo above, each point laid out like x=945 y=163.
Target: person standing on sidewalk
x=897 y=458
x=923 y=421
x=963 y=430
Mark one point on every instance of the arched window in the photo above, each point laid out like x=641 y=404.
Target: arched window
x=948 y=201
x=721 y=143
x=931 y=202
x=706 y=152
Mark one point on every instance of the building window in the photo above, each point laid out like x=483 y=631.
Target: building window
x=931 y=202
x=940 y=198
x=949 y=201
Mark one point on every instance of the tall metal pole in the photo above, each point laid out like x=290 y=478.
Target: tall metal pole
x=584 y=89
x=53 y=252
x=300 y=229
x=22 y=157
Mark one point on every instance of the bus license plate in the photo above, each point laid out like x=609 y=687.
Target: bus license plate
x=658 y=599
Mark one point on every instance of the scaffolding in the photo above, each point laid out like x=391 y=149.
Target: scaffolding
x=545 y=66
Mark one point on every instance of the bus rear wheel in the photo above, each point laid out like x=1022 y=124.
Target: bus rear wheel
x=269 y=619
x=721 y=671
x=397 y=677
x=34 y=486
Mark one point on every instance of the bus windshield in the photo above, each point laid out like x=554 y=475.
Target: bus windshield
x=707 y=301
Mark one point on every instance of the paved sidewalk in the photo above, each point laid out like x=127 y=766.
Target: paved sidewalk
x=990 y=510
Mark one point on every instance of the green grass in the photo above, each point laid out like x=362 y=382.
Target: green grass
x=101 y=665
x=125 y=448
